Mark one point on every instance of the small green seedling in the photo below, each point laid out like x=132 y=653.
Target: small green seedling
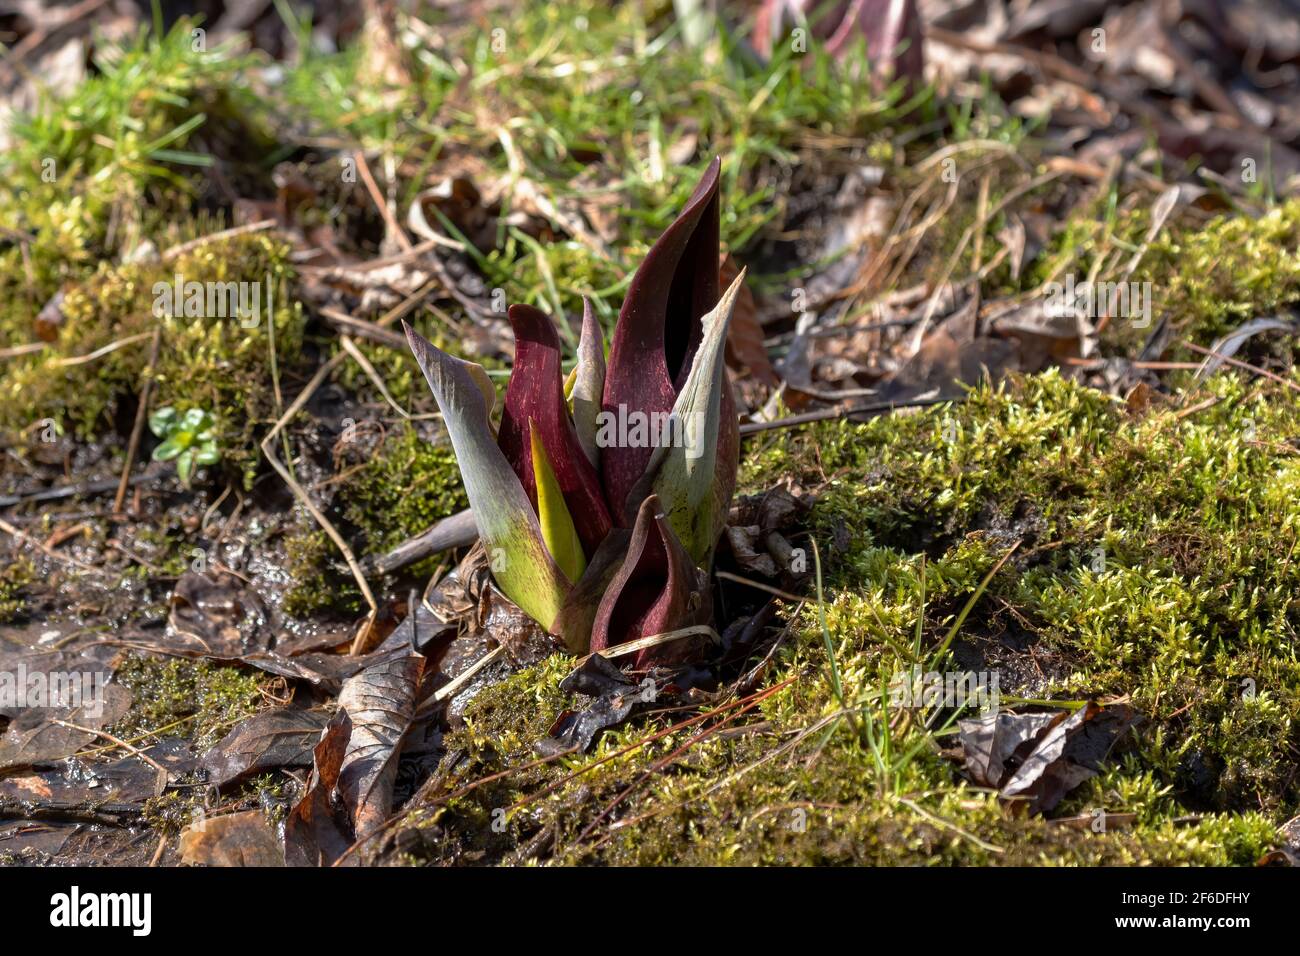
x=190 y=439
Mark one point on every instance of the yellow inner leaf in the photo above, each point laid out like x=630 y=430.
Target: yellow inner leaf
x=558 y=532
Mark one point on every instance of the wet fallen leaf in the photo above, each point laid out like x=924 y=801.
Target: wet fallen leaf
x=1039 y=758
x=284 y=737
x=33 y=738
x=317 y=831
x=219 y=617
x=236 y=839
x=744 y=542
x=380 y=702
x=616 y=697
x=77 y=787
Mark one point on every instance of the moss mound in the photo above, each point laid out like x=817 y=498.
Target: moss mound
x=1154 y=565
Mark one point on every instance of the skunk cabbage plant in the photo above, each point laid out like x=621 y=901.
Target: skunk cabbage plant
x=891 y=29
x=602 y=495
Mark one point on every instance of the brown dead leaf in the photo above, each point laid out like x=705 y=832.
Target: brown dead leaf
x=237 y=839
x=380 y=703
x=317 y=831
x=1039 y=758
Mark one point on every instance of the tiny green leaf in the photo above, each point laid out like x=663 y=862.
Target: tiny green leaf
x=161 y=421
x=185 y=466
x=169 y=449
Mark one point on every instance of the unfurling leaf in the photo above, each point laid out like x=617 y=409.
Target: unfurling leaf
x=658 y=332
x=657 y=589
x=588 y=378
x=536 y=394
x=507 y=525
x=685 y=475
x=558 y=532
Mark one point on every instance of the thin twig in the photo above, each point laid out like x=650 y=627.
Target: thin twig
x=137 y=428
x=1237 y=363
x=177 y=251
x=134 y=751
x=101 y=352
x=825 y=414
x=24 y=536
x=351 y=348
x=786 y=595
x=451 y=688
x=268 y=449
x=372 y=187
x=15 y=351
x=663 y=762
x=654 y=640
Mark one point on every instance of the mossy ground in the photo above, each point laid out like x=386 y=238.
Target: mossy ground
x=197 y=700
x=215 y=364
x=13 y=579
x=1156 y=559
x=1155 y=566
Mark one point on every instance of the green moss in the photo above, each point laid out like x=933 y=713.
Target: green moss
x=410 y=483
x=1209 y=279
x=319 y=575
x=750 y=800
x=403 y=487
x=14 y=578
x=91 y=174
x=1162 y=551
x=214 y=363
x=214 y=697
x=174 y=810
x=912 y=512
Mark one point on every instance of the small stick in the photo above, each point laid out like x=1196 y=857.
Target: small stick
x=138 y=427
x=363 y=329
x=451 y=688
x=24 y=536
x=372 y=187
x=350 y=347
x=654 y=640
x=268 y=449
x=63 y=534
x=1198 y=407
x=176 y=251
x=728 y=576
x=101 y=352
x=1237 y=363
x=71 y=491
x=825 y=414
x=134 y=751
x=17 y=350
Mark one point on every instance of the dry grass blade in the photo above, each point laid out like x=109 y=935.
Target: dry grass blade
x=268 y=450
